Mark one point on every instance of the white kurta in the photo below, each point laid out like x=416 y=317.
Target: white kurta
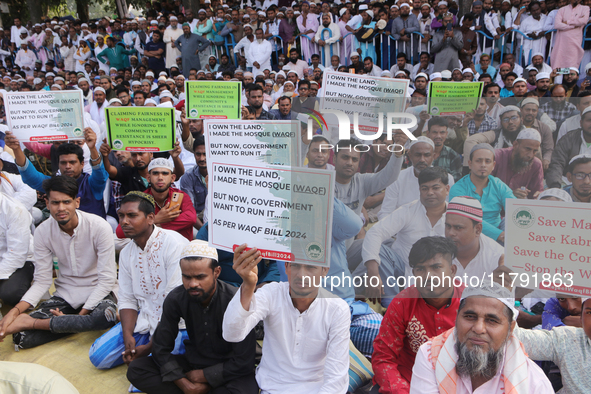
x=147 y=276
x=531 y=25
x=330 y=40
x=260 y=53
x=170 y=36
x=26 y=58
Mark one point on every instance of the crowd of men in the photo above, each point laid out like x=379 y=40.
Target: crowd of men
x=126 y=253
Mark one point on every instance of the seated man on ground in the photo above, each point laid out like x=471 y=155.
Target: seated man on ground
x=84 y=297
x=416 y=314
x=481 y=353
x=170 y=213
x=16 y=250
x=411 y=222
x=579 y=174
x=210 y=363
x=306 y=331
x=148 y=271
x=489 y=190
x=519 y=167
x=477 y=253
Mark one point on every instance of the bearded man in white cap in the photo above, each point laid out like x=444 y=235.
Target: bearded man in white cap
x=402 y=27
x=171 y=33
x=148 y=271
x=480 y=354
x=210 y=364
x=519 y=167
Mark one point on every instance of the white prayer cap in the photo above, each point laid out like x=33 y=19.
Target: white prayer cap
x=208 y=72
x=288 y=83
x=290 y=72
x=424 y=139
x=280 y=73
x=55 y=85
x=136 y=83
x=161 y=78
x=585 y=111
x=399 y=72
x=588 y=66
x=446 y=74
x=160 y=162
x=100 y=89
x=542 y=76
x=537 y=54
x=467 y=70
x=165 y=93
x=442 y=3
x=150 y=101
x=167 y=104
x=84 y=25
x=491 y=289
x=530 y=100
x=422 y=75
x=261 y=13
x=435 y=75
x=200 y=72
x=362 y=7
x=529 y=134
x=519 y=80
x=48 y=28
x=154 y=22
x=79 y=80
x=23 y=30
x=173 y=18
x=55 y=79
x=248 y=74
x=386 y=73
x=353 y=54
x=53 y=22
x=557 y=193
x=582 y=156
x=37 y=81
x=169 y=80
x=394 y=6
x=162 y=73
x=149 y=74
x=342 y=11
x=510 y=108
x=269 y=82
x=404 y=5
x=370 y=13
x=115 y=100
x=50 y=74
x=180 y=76
x=199 y=248
x=572 y=69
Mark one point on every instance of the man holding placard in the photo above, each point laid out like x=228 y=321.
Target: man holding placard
x=71 y=164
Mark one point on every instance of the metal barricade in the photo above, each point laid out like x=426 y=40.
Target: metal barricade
x=312 y=45
x=347 y=48
x=229 y=44
x=323 y=50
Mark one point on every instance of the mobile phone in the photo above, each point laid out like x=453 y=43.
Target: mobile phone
x=449 y=27
x=563 y=70
x=351 y=71
x=175 y=201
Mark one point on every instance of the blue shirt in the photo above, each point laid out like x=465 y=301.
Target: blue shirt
x=492 y=201
x=90 y=187
x=553 y=314
x=193 y=185
x=490 y=71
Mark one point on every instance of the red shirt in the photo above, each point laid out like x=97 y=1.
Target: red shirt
x=183 y=224
x=409 y=322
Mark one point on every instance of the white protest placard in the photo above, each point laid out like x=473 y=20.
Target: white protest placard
x=275 y=142
x=363 y=95
x=45 y=115
x=548 y=243
x=286 y=213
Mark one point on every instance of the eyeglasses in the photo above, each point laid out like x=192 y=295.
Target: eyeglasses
x=512 y=118
x=580 y=176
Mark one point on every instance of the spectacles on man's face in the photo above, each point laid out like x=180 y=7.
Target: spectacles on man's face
x=512 y=118
x=580 y=176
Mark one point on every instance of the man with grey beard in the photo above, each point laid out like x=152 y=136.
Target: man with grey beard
x=519 y=167
x=481 y=354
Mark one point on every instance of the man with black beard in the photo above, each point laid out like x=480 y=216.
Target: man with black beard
x=296 y=63
x=255 y=105
x=480 y=354
x=519 y=167
x=210 y=363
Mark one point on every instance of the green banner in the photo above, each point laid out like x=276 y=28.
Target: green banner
x=454 y=98
x=141 y=129
x=213 y=100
